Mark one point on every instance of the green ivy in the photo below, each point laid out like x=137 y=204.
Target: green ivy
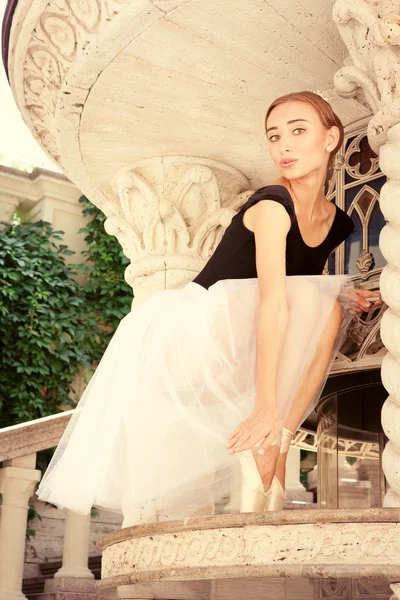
x=50 y=325
x=105 y=265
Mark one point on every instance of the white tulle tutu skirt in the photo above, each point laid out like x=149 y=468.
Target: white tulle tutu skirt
x=149 y=435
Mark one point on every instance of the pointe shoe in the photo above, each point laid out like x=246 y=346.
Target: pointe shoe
x=275 y=495
x=252 y=494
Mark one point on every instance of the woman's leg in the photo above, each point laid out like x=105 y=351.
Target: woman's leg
x=312 y=381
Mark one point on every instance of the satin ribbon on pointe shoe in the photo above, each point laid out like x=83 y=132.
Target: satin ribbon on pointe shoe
x=275 y=494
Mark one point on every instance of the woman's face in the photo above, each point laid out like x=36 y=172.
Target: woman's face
x=298 y=140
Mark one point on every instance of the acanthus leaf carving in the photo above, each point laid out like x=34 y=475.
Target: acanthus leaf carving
x=364 y=262
x=173 y=213
x=371 y=32
x=188 y=218
x=61 y=34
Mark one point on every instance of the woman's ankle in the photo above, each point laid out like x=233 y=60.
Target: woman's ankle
x=280 y=470
x=266 y=464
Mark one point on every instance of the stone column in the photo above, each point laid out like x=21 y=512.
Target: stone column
x=76 y=547
x=18 y=479
x=173 y=212
x=371 y=32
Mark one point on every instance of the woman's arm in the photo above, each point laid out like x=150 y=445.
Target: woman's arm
x=270 y=223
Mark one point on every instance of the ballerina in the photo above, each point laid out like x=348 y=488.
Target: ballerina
x=194 y=403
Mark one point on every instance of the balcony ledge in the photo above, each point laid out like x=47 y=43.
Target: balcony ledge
x=311 y=543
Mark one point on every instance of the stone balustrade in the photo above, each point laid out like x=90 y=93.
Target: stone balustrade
x=18 y=479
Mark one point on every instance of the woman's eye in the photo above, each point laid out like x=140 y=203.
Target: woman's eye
x=298 y=129
x=271 y=139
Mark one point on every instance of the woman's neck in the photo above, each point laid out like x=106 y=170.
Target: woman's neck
x=308 y=196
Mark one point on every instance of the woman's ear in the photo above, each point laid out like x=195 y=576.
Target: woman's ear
x=333 y=137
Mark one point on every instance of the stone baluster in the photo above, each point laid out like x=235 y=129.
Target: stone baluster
x=18 y=479
x=74 y=576
x=76 y=547
x=371 y=32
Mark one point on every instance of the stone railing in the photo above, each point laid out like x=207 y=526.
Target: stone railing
x=18 y=478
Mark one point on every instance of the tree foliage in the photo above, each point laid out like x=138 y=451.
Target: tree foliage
x=51 y=325
x=106 y=288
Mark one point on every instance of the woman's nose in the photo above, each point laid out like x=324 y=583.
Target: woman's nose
x=285 y=146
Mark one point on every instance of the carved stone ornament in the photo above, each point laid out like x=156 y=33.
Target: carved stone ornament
x=62 y=34
x=310 y=544
x=174 y=211
x=364 y=262
x=371 y=32
x=351 y=589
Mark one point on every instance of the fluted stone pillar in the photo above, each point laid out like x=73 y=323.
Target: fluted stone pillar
x=174 y=211
x=371 y=32
x=18 y=479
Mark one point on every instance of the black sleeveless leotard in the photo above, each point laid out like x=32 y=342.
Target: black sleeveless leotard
x=235 y=255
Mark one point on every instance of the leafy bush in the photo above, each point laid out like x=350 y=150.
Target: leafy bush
x=50 y=325
x=105 y=264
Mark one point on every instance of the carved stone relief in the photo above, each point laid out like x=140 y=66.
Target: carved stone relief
x=352 y=589
x=309 y=544
x=61 y=35
x=174 y=211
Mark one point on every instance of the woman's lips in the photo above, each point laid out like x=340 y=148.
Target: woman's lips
x=288 y=162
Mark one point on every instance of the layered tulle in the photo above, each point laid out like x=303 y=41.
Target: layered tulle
x=149 y=434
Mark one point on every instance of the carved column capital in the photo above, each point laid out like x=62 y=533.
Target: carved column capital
x=173 y=213
x=371 y=32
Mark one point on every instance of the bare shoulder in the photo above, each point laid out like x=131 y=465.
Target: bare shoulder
x=266 y=214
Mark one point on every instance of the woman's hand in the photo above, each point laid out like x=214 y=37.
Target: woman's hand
x=261 y=425
x=358 y=301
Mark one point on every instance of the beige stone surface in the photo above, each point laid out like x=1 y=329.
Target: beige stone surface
x=272 y=588
x=174 y=211
x=32 y=436
x=324 y=543
x=48 y=196
x=18 y=479
x=117 y=96
x=69 y=584
x=76 y=547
